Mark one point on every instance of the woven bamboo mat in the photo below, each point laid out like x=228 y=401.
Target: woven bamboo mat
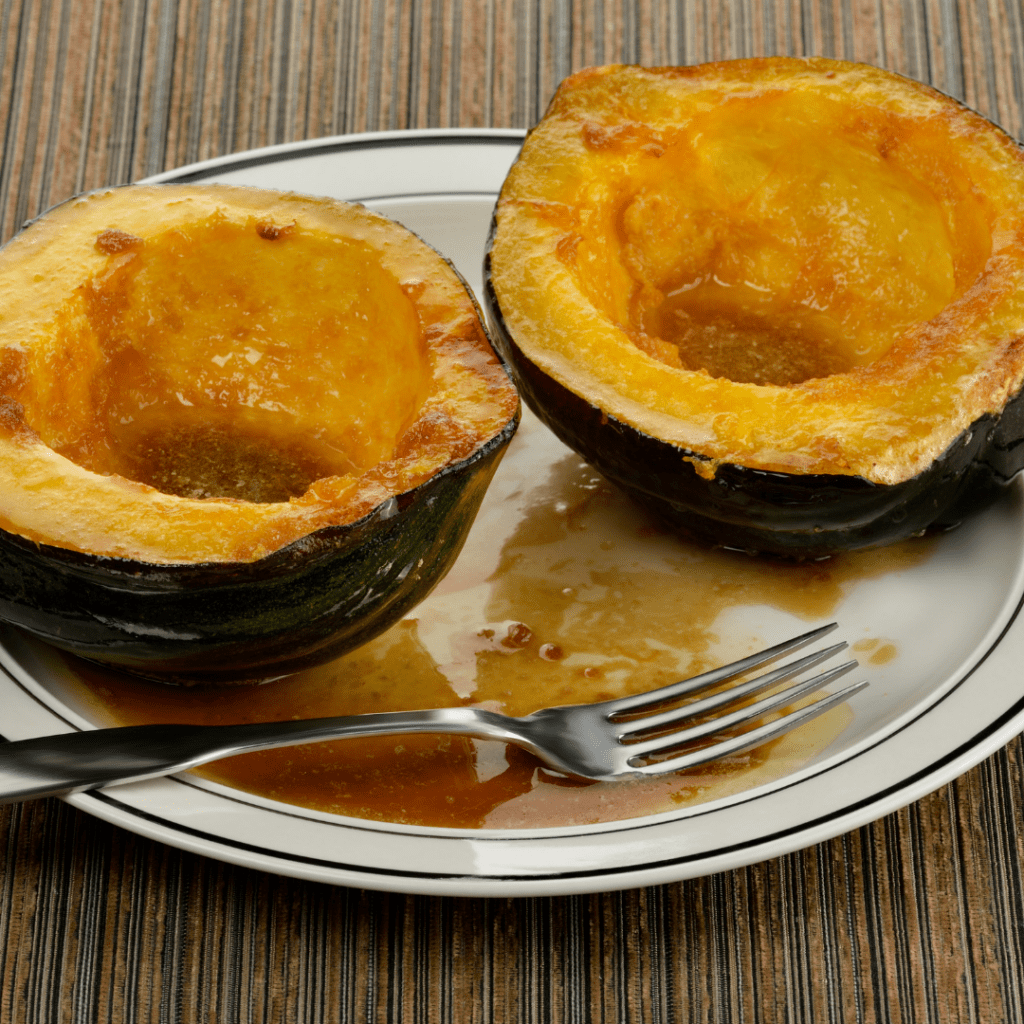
x=916 y=918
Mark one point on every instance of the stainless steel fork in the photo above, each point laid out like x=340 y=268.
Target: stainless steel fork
x=629 y=736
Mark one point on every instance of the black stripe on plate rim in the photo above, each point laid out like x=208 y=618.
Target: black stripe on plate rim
x=105 y=797
x=607 y=871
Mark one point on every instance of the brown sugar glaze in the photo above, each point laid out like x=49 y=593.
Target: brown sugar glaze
x=718 y=329
x=566 y=592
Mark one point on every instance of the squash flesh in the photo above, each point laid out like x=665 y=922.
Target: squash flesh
x=157 y=336
x=794 y=266
x=199 y=341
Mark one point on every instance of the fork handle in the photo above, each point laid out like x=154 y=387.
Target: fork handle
x=73 y=762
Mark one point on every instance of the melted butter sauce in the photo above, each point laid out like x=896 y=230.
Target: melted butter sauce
x=566 y=592
x=203 y=461
x=735 y=332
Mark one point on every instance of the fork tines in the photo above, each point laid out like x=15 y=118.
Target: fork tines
x=648 y=736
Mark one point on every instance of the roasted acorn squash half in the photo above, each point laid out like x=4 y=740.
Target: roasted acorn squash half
x=240 y=431
x=780 y=301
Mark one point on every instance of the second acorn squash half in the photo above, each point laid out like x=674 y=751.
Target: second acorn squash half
x=241 y=431
x=780 y=301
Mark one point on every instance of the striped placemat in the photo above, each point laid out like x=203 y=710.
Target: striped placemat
x=916 y=918
x=95 y=93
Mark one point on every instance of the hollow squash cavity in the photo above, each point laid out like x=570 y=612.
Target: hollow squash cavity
x=208 y=374
x=230 y=359
x=777 y=238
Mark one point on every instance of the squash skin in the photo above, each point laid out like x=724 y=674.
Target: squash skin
x=231 y=620
x=235 y=622
x=788 y=515
x=801 y=515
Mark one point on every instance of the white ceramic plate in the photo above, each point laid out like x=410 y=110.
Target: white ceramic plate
x=951 y=697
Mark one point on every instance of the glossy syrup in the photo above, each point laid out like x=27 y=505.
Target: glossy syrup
x=733 y=332
x=566 y=592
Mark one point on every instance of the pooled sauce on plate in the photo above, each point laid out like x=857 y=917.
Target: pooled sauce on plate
x=566 y=592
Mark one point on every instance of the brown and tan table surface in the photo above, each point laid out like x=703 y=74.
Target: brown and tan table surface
x=916 y=918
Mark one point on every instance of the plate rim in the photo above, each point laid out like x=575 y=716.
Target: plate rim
x=308 y=148
x=106 y=805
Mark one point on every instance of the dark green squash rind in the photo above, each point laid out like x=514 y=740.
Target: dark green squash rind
x=228 y=622
x=802 y=516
